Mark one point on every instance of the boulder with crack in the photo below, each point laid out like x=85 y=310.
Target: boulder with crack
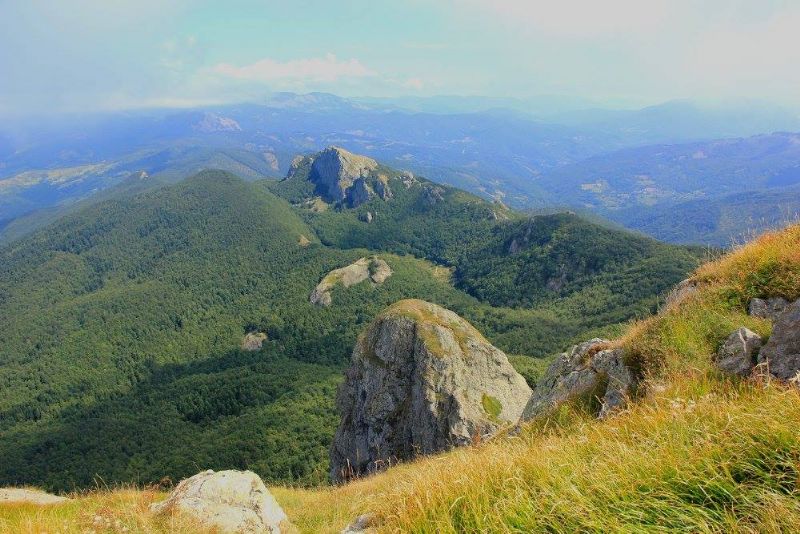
x=421 y=380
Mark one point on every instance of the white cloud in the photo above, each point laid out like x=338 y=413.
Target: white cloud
x=314 y=70
x=414 y=83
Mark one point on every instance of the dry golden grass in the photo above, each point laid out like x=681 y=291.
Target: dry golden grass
x=99 y=511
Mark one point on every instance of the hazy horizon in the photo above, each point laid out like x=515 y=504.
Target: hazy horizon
x=88 y=56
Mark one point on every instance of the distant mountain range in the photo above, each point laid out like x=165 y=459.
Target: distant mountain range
x=528 y=153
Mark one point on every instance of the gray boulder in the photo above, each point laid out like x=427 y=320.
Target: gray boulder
x=738 y=353
x=767 y=308
x=230 y=501
x=587 y=373
x=781 y=354
x=421 y=380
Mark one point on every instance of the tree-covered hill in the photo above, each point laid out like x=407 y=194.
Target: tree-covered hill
x=120 y=344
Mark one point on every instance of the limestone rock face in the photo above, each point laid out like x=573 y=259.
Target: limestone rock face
x=782 y=351
x=738 y=353
x=335 y=172
x=767 y=308
x=587 y=373
x=22 y=495
x=374 y=269
x=230 y=501
x=421 y=380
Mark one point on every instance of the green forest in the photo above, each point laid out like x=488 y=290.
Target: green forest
x=122 y=323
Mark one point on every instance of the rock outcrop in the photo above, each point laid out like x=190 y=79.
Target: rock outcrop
x=738 y=353
x=588 y=373
x=374 y=269
x=781 y=353
x=339 y=176
x=421 y=380
x=767 y=308
x=30 y=496
x=253 y=341
x=230 y=501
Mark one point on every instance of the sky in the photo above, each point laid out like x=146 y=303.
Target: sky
x=94 y=55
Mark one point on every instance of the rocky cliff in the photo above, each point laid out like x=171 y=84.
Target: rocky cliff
x=340 y=176
x=422 y=380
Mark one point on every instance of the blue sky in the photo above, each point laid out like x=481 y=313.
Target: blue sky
x=83 y=55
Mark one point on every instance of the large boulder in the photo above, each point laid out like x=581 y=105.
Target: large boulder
x=588 y=373
x=338 y=175
x=738 y=353
x=230 y=501
x=781 y=354
x=422 y=380
x=373 y=269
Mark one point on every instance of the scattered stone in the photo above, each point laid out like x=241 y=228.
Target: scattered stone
x=31 y=496
x=366 y=217
x=781 y=354
x=230 y=501
x=737 y=355
x=373 y=269
x=587 y=373
x=303 y=241
x=253 y=341
x=361 y=525
x=767 y=308
x=421 y=380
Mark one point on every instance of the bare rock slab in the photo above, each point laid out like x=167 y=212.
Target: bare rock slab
x=421 y=380
x=374 y=269
x=31 y=496
x=230 y=501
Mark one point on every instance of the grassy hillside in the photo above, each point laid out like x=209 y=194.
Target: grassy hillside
x=498 y=255
x=700 y=452
x=120 y=353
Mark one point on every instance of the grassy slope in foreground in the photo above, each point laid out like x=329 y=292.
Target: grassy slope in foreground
x=699 y=453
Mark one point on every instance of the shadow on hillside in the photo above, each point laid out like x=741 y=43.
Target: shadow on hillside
x=239 y=410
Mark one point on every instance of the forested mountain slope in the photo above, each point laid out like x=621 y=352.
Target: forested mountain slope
x=121 y=341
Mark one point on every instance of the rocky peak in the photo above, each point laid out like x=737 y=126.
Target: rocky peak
x=335 y=172
x=421 y=380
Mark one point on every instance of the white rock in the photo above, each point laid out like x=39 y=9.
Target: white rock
x=231 y=501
